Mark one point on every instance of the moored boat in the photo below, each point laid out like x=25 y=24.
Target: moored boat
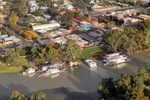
x=90 y=63
x=54 y=69
x=115 y=58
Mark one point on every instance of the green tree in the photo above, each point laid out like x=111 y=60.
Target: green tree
x=145 y=27
x=102 y=19
x=36 y=54
x=11 y=55
x=53 y=11
x=16 y=95
x=38 y=96
x=67 y=18
x=113 y=40
x=71 y=50
x=130 y=43
x=53 y=54
x=39 y=12
x=21 y=7
x=110 y=24
x=127 y=87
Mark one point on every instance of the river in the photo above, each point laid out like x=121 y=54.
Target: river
x=74 y=84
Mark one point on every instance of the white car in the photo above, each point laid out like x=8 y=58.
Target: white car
x=90 y=63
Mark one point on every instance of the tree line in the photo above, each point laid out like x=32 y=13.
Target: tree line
x=130 y=39
x=55 y=52
x=127 y=87
x=16 y=95
x=40 y=54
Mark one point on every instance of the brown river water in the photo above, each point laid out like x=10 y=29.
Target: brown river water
x=74 y=84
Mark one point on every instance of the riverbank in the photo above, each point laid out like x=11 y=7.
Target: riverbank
x=7 y=69
x=18 y=66
x=81 y=81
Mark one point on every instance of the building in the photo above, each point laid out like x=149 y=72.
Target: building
x=85 y=26
x=94 y=23
x=57 y=33
x=59 y=40
x=79 y=41
x=10 y=40
x=129 y=20
x=52 y=25
x=144 y=17
x=143 y=1
x=33 y=6
x=44 y=42
x=69 y=7
x=97 y=8
x=2 y=3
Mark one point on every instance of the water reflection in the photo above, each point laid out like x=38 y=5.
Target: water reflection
x=119 y=66
x=54 y=76
x=94 y=69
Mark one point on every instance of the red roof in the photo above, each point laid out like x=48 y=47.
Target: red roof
x=77 y=20
x=94 y=22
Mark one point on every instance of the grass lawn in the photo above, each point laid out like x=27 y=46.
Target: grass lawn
x=102 y=4
x=21 y=63
x=4 y=68
x=92 y=53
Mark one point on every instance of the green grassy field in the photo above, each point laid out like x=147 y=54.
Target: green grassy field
x=4 y=68
x=92 y=53
x=21 y=63
x=102 y=4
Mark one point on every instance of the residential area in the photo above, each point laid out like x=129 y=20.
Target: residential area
x=38 y=24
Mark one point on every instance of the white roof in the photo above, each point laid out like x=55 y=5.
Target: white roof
x=3 y=36
x=11 y=38
x=60 y=40
x=51 y=25
x=69 y=7
x=85 y=23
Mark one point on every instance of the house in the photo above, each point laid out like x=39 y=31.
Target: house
x=39 y=18
x=11 y=39
x=33 y=6
x=57 y=33
x=69 y=7
x=129 y=20
x=144 y=17
x=43 y=8
x=3 y=36
x=67 y=2
x=91 y=41
x=85 y=26
x=114 y=28
x=50 y=26
x=47 y=16
x=2 y=3
x=59 y=40
x=94 y=34
x=99 y=32
x=97 y=8
x=94 y=23
x=44 y=42
x=143 y=1
x=79 y=41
